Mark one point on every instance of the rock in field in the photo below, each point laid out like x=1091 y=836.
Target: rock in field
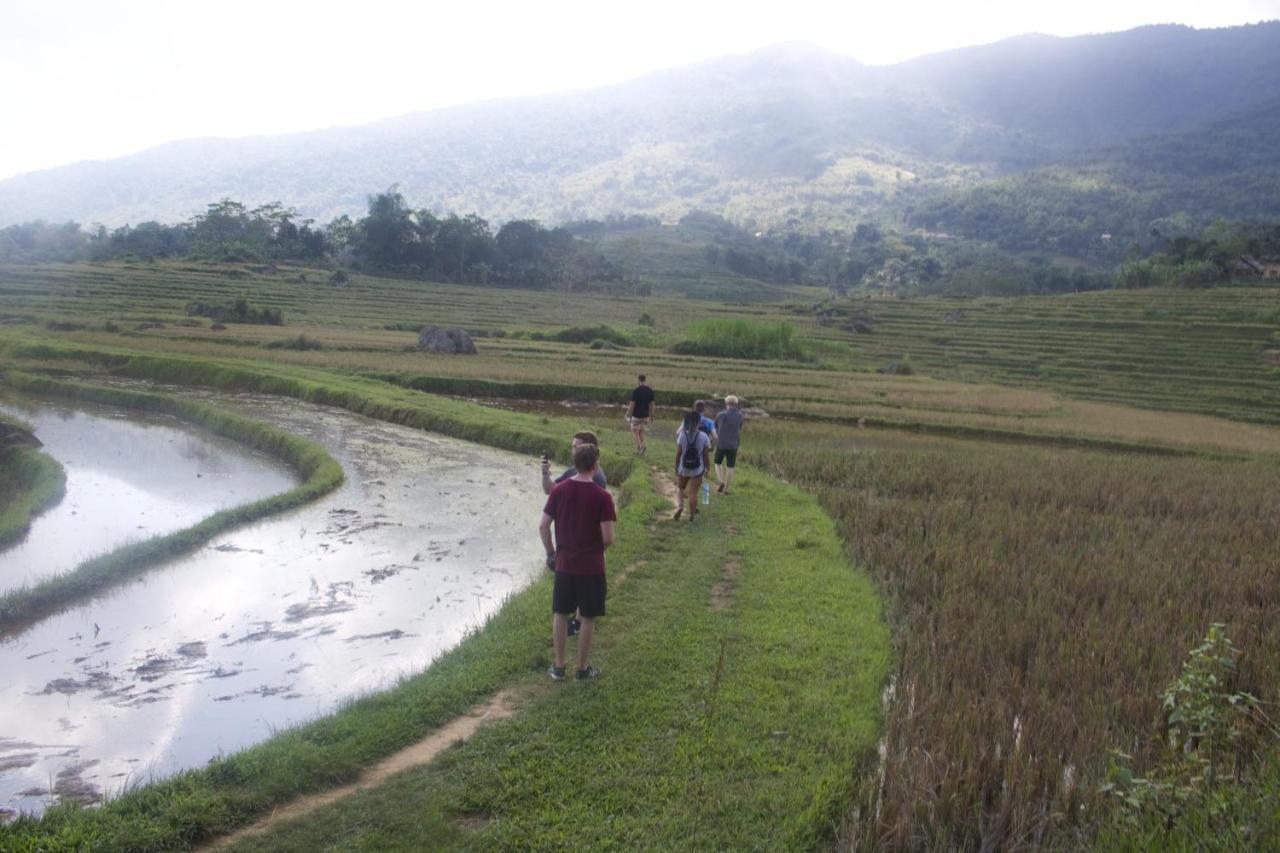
x=448 y=341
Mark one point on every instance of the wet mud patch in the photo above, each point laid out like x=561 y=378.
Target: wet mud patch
x=70 y=785
x=99 y=681
x=394 y=634
x=229 y=548
x=17 y=761
x=388 y=572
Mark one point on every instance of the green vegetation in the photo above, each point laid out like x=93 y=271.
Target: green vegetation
x=741 y=339
x=1041 y=600
x=319 y=471
x=1046 y=561
x=782 y=676
x=30 y=481
x=587 y=335
x=239 y=311
x=299 y=343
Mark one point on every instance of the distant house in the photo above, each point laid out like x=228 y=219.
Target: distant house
x=1271 y=269
x=1247 y=266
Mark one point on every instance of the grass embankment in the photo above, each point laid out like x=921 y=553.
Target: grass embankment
x=375 y=399
x=319 y=471
x=30 y=481
x=1042 y=602
x=746 y=725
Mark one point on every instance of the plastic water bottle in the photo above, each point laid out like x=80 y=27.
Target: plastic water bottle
x=706 y=493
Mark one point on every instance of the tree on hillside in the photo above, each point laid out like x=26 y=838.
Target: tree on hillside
x=385 y=238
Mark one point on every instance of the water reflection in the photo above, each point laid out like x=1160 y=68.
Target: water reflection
x=129 y=477
x=275 y=623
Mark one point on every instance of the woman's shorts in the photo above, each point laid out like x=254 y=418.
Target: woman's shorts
x=584 y=593
x=682 y=480
x=727 y=456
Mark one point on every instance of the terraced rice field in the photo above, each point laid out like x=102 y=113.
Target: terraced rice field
x=1208 y=352
x=1211 y=351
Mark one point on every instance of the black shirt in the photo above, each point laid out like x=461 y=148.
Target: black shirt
x=643 y=399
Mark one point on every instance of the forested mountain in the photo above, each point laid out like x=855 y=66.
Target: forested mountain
x=791 y=137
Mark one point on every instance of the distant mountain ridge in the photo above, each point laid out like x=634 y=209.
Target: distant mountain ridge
x=790 y=135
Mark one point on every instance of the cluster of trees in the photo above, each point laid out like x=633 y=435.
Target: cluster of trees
x=1213 y=257
x=392 y=238
x=225 y=231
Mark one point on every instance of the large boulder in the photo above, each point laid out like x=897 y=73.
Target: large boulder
x=447 y=341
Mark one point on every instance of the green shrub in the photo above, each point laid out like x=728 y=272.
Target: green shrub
x=736 y=338
x=239 y=311
x=588 y=334
x=300 y=342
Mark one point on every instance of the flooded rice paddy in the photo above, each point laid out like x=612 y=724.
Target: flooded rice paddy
x=272 y=624
x=129 y=477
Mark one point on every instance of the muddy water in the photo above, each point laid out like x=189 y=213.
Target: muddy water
x=275 y=623
x=129 y=477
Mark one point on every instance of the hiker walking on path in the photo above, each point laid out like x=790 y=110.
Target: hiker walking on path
x=729 y=429
x=705 y=423
x=579 y=439
x=693 y=458
x=584 y=517
x=640 y=413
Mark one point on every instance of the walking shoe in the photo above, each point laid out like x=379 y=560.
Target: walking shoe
x=574 y=624
x=679 y=512
x=720 y=488
x=589 y=672
x=556 y=672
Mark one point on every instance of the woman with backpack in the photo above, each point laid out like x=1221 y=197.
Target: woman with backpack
x=693 y=458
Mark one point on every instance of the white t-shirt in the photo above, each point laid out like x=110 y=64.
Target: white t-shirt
x=701 y=442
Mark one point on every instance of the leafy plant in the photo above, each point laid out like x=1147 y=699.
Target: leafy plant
x=1203 y=718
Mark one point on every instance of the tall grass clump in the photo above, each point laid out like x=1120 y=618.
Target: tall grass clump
x=29 y=482
x=739 y=338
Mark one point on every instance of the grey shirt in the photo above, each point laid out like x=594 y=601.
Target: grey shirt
x=729 y=428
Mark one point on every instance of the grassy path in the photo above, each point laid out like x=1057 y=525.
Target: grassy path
x=739 y=707
x=743 y=662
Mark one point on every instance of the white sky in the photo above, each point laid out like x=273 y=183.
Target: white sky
x=92 y=79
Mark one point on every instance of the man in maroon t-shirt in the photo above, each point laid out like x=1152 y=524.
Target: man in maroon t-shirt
x=584 y=517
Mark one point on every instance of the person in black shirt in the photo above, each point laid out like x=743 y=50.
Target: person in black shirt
x=640 y=413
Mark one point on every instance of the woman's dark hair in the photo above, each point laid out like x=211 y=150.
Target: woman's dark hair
x=692 y=421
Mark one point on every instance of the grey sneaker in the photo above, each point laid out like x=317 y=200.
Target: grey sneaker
x=556 y=672
x=589 y=672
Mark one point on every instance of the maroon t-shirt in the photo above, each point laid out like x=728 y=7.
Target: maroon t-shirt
x=578 y=508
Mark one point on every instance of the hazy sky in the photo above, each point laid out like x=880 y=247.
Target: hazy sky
x=91 y=79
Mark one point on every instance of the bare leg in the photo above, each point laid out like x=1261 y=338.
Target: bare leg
x=728 y=478
x=695 y=483
x=559 y=636
x=586 y=634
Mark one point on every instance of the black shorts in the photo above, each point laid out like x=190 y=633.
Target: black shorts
x=728 y=456
x=584 y=593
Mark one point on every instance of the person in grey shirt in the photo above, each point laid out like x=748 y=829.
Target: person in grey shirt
x=729 y=434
